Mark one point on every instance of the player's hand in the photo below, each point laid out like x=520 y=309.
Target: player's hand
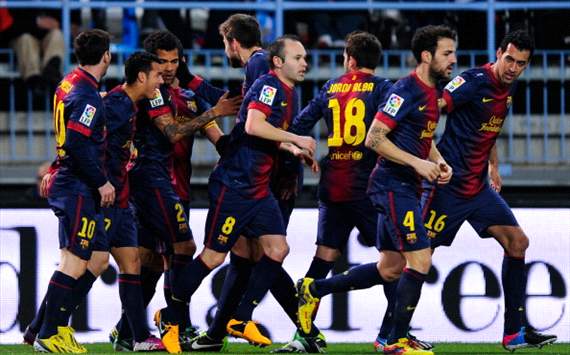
x=307 y=143
x=228 y=106
x=183 y=73
x=287 y=187
x=495 y=179
x=44 y=185
x=427 y=169
x=446 y=173
x=107 y=193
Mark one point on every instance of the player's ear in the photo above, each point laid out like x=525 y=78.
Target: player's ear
x=499 y=53
x=277 y=61
x=141 y=76
x=426 y=56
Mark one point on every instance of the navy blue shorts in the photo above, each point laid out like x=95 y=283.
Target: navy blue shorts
x=147 y=239
x=80 y=223
x=400 y=226
x=231 y=215
x=338 y=219
x=444 y=213
x=162 y=218
x=120 y=229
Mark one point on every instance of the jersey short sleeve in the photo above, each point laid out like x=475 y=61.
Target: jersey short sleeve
x=460 y=90
x=264 y=96
x=159 y=105
x=395 y=108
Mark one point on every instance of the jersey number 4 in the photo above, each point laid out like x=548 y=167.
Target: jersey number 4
x=354 y=127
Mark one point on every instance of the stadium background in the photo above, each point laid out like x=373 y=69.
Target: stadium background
x=533 y=150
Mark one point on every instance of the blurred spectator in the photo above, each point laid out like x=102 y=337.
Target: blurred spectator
x=36 y=37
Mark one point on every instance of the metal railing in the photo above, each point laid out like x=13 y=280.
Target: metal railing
x=536 y=132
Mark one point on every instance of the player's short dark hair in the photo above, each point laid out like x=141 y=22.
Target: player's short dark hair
x=90 y=46
x=277 y=48
x=139 y=62
x=365 y=48
x=243 y=28
x=162 y=40
x=520 y=39
x=426 y=38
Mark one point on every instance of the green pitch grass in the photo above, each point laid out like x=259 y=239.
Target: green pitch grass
x=340 y=348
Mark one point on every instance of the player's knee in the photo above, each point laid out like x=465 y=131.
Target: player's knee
x=277 y=252
x=390 y=273
x=98 y=266
x=518 y=245
x=186 y=248
x=212 y=260
x=131 y=265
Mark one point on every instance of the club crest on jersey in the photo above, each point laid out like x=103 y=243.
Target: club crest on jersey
x=411 y=238
x=267 y=94
x=66 y=86
x=191 y=104
x=393 y=105
x=157 y=99
x=509 y=101
x=87 y=115
x=455 y=83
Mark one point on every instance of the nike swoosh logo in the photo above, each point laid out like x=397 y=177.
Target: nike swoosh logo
x=195 y=346
x=410 y=308
x=485 y=100
x=422 y=108
x=284 y=104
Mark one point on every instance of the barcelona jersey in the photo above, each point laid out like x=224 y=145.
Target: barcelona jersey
x=79 y=123
x=348 y=105
x=188 y=106
x=411 y=111
x=249 y=162
x=477 y=106
x=121 y=114
x=154 y=149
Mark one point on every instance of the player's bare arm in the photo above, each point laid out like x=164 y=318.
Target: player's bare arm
x=256 y=125
x=377 y=140
x=303 y=154
x=175 y=131
x=495 y=178
x=446 y=170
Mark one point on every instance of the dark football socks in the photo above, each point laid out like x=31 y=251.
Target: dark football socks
x=130 y=292
x=514 y=284
x=388 y=320
x=319 y=268
x=80 y=291
x=235 y=284
x=58 y=297
x=359 y=277
x=262 y=278
x=407 y=297
x=184 y=282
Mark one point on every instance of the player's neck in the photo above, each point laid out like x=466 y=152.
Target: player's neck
x=290 y=83
x=245 y=54
x=362 y=70
x=132 y=92
x=422 y=71
x=95 y=70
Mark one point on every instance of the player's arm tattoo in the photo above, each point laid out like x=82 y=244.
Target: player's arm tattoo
x=376 y=136
x=174 y=131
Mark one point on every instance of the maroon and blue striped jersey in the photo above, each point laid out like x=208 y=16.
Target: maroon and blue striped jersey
x=348 y=105
x=248 y=164
x=79 y=123
x=188 y=106
x=154 y=149
x=256 y=66
x=121 y=114
x=411 y=111
x=477 y=106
